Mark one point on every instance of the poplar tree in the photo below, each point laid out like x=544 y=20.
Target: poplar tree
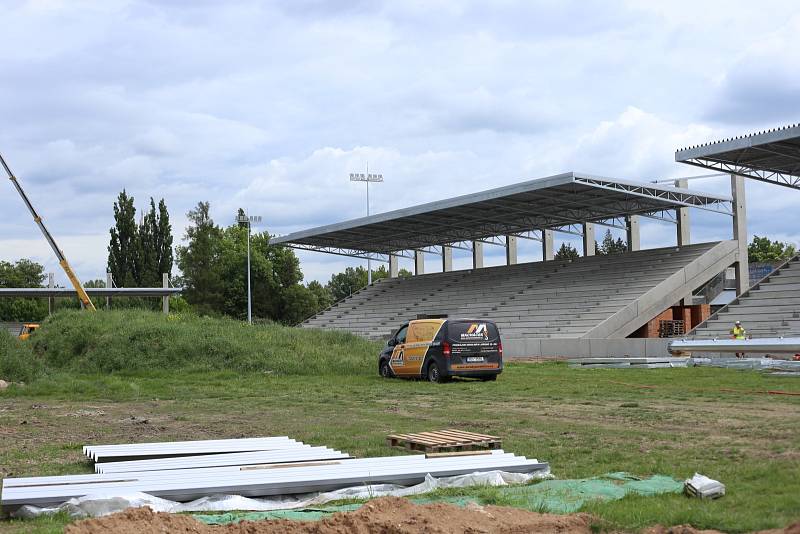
x=123 y=248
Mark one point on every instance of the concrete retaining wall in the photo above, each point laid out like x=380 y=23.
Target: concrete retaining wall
x=585 y=348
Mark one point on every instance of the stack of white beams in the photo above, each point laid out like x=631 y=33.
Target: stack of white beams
x=208 y=470
x=116 y=453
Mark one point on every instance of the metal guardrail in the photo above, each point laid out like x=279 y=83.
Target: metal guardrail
x=789 y=345
x=746 y=293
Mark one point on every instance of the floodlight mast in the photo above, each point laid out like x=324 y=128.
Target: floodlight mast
x=249 y=220
x=361 y=177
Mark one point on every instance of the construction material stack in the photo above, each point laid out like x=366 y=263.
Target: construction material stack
x=183 y=471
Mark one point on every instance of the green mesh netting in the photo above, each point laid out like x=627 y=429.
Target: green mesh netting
x=553 y=496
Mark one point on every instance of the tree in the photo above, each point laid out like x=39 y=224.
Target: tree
x=610 y=246
x=198 y=261
x=22 y=273
x=163 y=240
x=346 y=283
x=300 y=303
x=155 y=246
x=123 y=249
x=213 y=264
x=567 y=252
x=322 y=294
x=761 y=249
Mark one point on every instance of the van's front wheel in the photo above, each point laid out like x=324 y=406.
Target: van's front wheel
x=385 y=370
x=434 y=373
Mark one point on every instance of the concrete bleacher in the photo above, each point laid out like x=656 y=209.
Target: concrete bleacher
x=12 y=328
x=771 y=308
x=590 y=297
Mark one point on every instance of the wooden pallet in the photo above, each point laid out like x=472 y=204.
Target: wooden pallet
x=444 y=440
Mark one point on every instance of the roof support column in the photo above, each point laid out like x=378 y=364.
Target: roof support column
x=682 y=216
x=632 y=229
x=419 y=262
x=682 y=229
x=547 y=245
x=109 y=284
x=447 y=259
x=589 y=239
x=393 y=266
x=50 y=300
x=740 y=233
x=511 y=250
x=477 y=255
x=165 y=298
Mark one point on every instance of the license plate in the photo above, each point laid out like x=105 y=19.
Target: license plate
x=475 y=359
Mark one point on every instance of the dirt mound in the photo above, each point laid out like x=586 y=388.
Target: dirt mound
x=387 y=515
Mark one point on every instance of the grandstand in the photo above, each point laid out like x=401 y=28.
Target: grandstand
x=582 y=307
x=770 y=308
x=591 y=306
x=595 y=296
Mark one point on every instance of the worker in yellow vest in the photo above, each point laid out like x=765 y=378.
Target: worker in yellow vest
x=738 y=333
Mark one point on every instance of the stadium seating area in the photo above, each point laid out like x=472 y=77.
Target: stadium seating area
x=555 y=299
x=769 y=309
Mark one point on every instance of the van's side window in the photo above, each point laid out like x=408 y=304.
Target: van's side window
x=401 y=335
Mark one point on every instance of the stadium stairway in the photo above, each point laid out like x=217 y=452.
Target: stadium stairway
x=596 y=297
x=771 y=308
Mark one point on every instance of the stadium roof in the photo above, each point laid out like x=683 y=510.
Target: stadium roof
x=559 y=203
x=772 y=156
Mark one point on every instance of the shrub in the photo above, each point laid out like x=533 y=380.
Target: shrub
x=17 y=361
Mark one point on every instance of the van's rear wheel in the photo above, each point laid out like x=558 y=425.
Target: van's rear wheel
x=385 y=370
x=434 y=374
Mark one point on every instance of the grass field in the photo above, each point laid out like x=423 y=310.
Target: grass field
x=584 y=422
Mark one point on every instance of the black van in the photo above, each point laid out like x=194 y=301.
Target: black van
x=438 y=349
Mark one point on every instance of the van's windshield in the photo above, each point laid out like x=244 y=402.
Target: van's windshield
x=471 y=331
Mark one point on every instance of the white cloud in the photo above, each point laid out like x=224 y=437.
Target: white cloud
x=270 y=105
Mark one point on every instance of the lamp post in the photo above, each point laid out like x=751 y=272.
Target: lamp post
x=367 y=178
x=249 y=220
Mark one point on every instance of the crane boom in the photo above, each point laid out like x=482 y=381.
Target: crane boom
x=62 y=260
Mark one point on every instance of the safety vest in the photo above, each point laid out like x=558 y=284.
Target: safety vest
x=738 y=332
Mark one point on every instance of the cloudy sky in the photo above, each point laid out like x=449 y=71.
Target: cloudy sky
x=269 y=106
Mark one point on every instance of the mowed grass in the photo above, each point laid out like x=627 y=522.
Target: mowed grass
x=584 y=422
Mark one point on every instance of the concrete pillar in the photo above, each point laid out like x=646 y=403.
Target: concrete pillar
x=740 y=233
x=477 y=255
x=51 y=283
x=547 y=245
x=511 y=250
x=419 y=262
x=589 y=239
x=682 y=217
x=165 y=298
x=632 y=229
x=109 y=284
x=447 y=259
x=682 y=231
x=394 y=269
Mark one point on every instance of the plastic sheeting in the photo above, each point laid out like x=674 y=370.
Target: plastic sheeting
x=567 y=496
x=95 y=506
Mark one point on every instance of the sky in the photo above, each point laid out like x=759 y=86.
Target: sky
x=269 y=106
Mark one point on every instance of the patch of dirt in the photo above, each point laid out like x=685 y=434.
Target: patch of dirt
x=387 y=515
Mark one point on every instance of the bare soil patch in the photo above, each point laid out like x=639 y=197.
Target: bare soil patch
x=387 y=515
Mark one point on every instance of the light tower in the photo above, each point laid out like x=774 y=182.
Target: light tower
x=367 y=178
x=249 y=220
